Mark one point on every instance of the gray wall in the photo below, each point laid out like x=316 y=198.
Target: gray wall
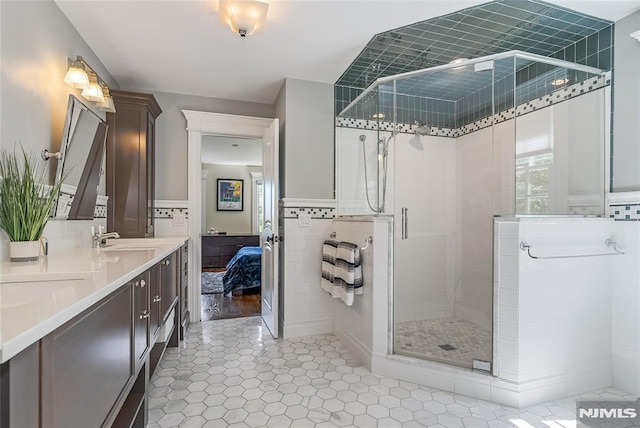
x=229 y=221
x=626 y=106
x=171 y=136
x=307 y=147
x=35 y=41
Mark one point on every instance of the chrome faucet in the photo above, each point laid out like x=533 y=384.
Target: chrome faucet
x=100 y=238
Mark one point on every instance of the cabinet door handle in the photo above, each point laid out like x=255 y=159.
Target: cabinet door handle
x=136 y=284
x=165 y=262
x=143 y=283
x=157 y=298
x=144 y=314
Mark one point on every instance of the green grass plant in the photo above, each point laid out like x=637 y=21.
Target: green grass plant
x=25 y=198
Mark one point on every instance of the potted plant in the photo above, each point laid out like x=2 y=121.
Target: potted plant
x=25 y=202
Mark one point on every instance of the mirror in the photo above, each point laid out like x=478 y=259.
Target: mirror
x=81 y=166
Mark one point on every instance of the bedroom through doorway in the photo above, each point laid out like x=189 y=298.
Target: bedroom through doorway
x=232 y=219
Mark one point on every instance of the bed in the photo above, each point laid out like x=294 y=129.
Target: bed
x=243 y=270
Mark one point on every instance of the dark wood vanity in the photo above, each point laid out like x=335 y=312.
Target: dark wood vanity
x=217 y=250
x=130 y=164
x=94 y=370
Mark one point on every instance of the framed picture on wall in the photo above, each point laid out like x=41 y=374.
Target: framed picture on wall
x=230 y=194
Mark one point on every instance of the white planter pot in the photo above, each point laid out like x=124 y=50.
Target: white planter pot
x=24 y=251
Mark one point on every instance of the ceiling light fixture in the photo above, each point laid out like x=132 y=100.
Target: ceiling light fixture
x=378 y=116
x=80 y=75
x=458 y=61
x=244 y=17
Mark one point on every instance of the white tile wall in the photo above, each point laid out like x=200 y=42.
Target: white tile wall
x=307 y=309
x=553 y=316
x=363 y=327
x=626 y=308
x=171 y=218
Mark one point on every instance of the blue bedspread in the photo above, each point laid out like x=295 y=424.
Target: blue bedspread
x=243 y=270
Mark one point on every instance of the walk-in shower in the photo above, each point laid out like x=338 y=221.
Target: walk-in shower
x=446 y=149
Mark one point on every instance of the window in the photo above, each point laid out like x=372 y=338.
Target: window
x=532 y=183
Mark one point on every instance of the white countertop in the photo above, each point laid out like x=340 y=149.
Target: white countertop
x=38 y=297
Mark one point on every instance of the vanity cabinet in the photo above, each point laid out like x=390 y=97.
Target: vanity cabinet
x=141 y=314
x=94 y=370
x=169 y=283
x=86 y=364
x=130 y=164
x=184 y=290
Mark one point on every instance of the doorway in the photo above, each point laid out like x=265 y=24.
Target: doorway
x=232 y=219
x=199 y=126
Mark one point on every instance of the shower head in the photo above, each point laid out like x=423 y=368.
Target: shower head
x=421 y=128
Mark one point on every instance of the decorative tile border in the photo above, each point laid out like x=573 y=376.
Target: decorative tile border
x=167 y=208
x=100 y=211
x=629 y=212
x=316 y=208
x=555 y=97
x=314 y=212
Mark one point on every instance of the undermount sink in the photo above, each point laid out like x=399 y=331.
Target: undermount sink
x=126 y=248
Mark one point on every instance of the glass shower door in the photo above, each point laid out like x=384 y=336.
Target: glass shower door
x=443 y=213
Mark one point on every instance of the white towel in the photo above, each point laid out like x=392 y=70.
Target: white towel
x=348 y=272
x=329 y=249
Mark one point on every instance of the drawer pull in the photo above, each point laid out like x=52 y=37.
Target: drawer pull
x=144 y=314
x=136 y=284
x=157 y=298
x=166 y=262
x=143 y=283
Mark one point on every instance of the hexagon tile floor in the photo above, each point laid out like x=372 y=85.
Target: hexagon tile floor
x=231 y=373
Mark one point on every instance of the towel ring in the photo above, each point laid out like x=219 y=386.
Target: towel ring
x=368 y=241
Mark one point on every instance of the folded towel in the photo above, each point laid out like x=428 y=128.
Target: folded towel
x=329 y=249
x=348 y=272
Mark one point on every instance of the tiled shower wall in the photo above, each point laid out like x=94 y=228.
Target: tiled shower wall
x=452 y=189
x=467 y=118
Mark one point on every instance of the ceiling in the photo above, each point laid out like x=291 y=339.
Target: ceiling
x=231 y=151
x=181 y=46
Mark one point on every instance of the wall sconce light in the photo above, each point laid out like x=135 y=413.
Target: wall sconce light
x=93 y=91
x=81 y=76
x=76 y=77
x=244 y=17
x=107 y=105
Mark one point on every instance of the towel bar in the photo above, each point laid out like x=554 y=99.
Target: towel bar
x=524 y=246
x=368 y=241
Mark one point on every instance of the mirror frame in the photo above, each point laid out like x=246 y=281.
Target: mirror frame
x=83 y=206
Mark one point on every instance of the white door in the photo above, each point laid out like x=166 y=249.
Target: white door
x=269 y=238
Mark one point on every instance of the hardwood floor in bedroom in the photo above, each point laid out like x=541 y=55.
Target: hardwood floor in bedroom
x=217 y=306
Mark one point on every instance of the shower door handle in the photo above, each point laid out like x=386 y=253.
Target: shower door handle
x=405 y=223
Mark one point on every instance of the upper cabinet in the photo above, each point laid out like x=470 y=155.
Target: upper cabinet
x=130 y=164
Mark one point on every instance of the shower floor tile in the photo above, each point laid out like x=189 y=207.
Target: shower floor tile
x=444 y=339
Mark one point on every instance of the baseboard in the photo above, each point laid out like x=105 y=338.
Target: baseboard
x=307 y=328
x=354 y=345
